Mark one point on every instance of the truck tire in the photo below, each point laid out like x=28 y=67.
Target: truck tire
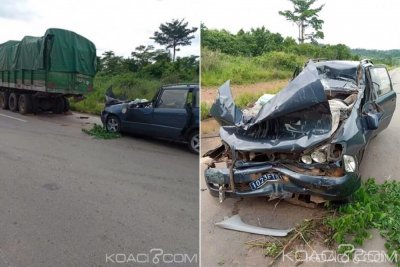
x=4 y=100
x=58 y=107
x=66 y=104
x=194 y=142
x=13 y=102
x=25 y=104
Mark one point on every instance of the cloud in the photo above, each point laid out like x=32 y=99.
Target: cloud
x=15 y=9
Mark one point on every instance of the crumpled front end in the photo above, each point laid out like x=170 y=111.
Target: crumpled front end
x=235 y=173
x=286 y=147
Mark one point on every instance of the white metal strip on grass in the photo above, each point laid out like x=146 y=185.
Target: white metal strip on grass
x=11 y=117
x=236 y=223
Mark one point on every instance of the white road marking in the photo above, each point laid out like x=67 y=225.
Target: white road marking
x=10 y=117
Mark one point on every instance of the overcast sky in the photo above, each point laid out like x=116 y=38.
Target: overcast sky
x=119 y=25
x=122 y=25
x=372 y=24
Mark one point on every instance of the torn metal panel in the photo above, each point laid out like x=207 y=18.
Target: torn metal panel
x=236 y=223
x=224 y=109
x=303 y=92
x=297 y=117
x=288 y=141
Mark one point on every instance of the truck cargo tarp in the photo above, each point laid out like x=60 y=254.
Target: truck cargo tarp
x=8 y=51
x=58 y=50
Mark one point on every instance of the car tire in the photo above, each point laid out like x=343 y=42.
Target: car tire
x=4 y=100
x=113 y=124
x=194 y=142
x=13 y=102
x=25 y=104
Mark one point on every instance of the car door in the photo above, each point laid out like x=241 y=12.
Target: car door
x=140 y=119
x=170 y=116
x=383 y=94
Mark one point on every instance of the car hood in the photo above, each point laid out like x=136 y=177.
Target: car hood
x=297 y=117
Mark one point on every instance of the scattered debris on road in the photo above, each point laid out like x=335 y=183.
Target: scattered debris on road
x=236 y=223
x=100 y=132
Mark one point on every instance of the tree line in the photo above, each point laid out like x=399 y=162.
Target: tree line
x=148 y=61
x=260 y=40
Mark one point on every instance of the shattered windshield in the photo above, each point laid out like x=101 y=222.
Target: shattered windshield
x=338 y=75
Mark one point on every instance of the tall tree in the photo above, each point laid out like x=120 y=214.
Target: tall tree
x=173 y=34
x=145 y=55
x=304 y=16
x=111 y=64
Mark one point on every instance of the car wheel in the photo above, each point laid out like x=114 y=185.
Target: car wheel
x=25 y=104
x=113 y=124
x=194 y=142
x=4 y=100
x=13 y=102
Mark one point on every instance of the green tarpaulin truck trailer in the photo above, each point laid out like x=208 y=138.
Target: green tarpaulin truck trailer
x=39 y=73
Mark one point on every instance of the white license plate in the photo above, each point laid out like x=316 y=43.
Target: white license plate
x=263 y=179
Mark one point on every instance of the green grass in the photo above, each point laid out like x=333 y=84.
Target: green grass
x=99 y=132
x=128 y=85
x=217 y=67
x=205 y=110
x=244 y=100
x=373 y=206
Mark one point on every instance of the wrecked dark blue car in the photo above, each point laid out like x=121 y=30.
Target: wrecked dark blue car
x=172 y=114
x=308 y=139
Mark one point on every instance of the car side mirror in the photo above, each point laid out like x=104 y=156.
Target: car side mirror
x=372 y=121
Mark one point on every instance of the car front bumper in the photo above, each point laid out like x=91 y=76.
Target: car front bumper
x=103 y=116
x=330 y=188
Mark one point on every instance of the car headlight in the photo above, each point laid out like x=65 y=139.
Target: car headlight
x=349 y=163
x=306 y=159
x=319 y=156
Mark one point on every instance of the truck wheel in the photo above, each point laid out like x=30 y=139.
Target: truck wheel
x=25 y=104
x=58 y=106
x=66 y=104
x=4 y=100
x=194 y=144
x=13 y=102
x=113 y=124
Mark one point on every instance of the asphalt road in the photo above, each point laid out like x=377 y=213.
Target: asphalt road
x=220 y=247
x=67 y=199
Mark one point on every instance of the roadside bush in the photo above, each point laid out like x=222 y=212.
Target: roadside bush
x=217 y=67
x=205 y=110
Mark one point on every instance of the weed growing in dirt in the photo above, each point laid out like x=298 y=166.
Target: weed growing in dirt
x=99 y=132
x=372 y=206
x=205 y=110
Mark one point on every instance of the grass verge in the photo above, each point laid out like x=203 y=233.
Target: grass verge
x=372 y=206
x=217 y=67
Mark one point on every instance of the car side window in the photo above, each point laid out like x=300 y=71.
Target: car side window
x=173 y=98
x=380 y=81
